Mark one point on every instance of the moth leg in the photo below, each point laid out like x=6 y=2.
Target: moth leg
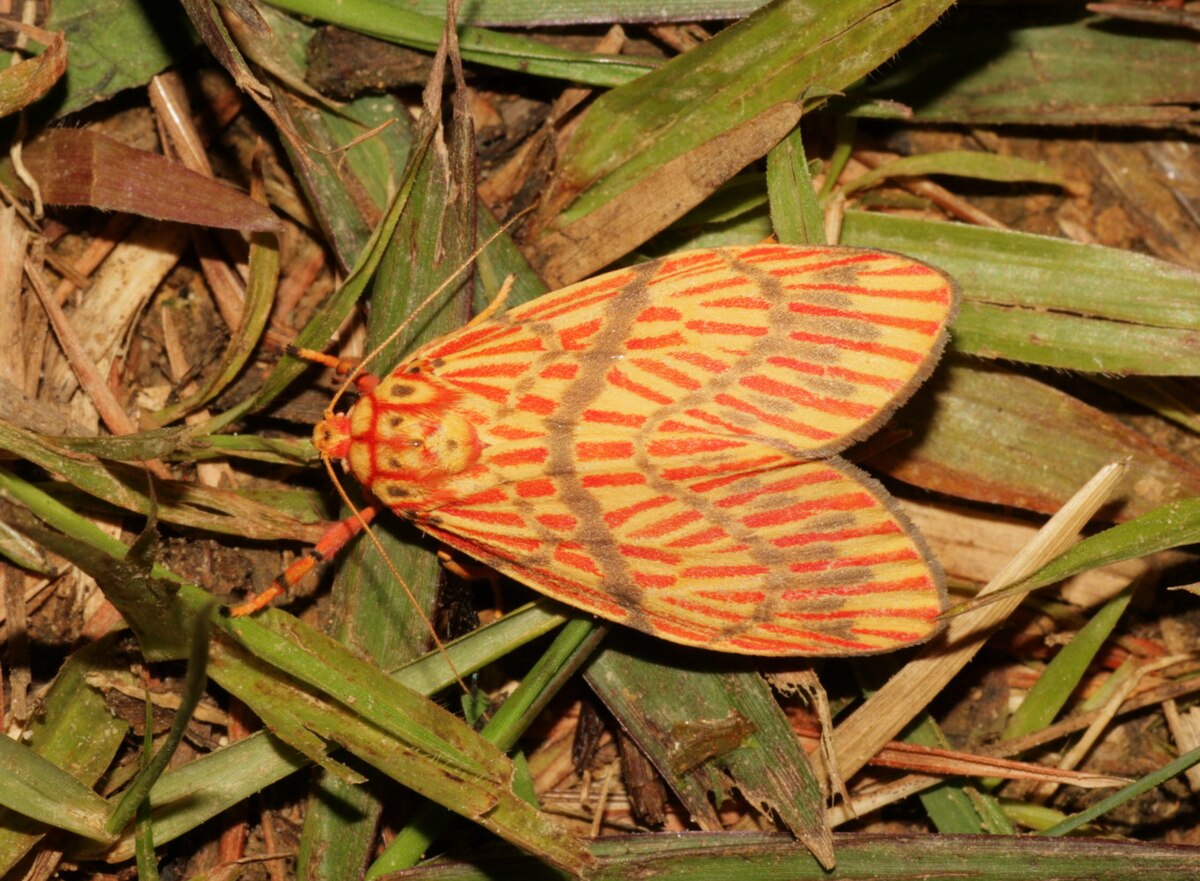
x=328 y=545
x=465 y=568
x=497 y=303
x=365 y=382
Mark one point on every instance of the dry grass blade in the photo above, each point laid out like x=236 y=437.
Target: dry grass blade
x=888 y=710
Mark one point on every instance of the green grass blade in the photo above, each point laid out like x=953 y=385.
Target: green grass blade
x=707 y=726
x=187 y=504
x=314 y=692
x=391 y=728
x=795 y=213
x=960 y=163
x=782 y=53
x=37 y=788
x=1065 y=671
x=387 y=21
x=1084 y=70
x=1068 y=342
x=138 y=791
x=1145 y=784
x=260 y=297
x=347 y=187
x=188 y=796
x=100 y=36
x=571 y=648
x=317 y=332
x=76 y=733
x=703 y=116
x=1051 y=301
x=1172 y=525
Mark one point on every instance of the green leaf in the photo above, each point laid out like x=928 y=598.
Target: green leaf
x=389 y=21
x=984 y=66
x=1124 y=796
x=960 y=163
x=133 y=800
x=1065 y=671
x=795 y=213
x=982 y=432
x=348 y=177
x=788 y=52
x=260 y=297
x=1069 y=342
x=708 y=726
x=39 y=789
x=329 y=695
x=188 y=504
x=1050 y=301
x=1173 y=525
x=101 y=37
x=194 y=793
x=77 y=734
x=571 y=648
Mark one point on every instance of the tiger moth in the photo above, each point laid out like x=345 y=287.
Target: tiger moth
x=659 y=446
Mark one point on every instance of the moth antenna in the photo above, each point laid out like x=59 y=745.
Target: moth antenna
x=424 y=304
x=356 y=373
x=392 y=568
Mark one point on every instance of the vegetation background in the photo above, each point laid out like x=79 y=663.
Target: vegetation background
x=191 y=187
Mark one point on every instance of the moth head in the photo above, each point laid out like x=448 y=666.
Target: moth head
x=331 y=436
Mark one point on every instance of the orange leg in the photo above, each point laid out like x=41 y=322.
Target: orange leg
x=328 y=545
x=342 y=366
x=466 y=569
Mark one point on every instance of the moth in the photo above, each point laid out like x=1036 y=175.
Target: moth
x=659 y=446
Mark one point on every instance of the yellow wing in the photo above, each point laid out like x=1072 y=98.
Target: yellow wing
x=657 y=446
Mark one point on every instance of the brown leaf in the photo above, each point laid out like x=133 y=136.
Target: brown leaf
x=998 y=437
x=594 y=241
x=81 y=167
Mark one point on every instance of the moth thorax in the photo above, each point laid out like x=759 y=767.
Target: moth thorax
x=452 y=443
x=412 y=446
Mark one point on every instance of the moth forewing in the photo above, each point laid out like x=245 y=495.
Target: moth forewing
x=658 y=445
